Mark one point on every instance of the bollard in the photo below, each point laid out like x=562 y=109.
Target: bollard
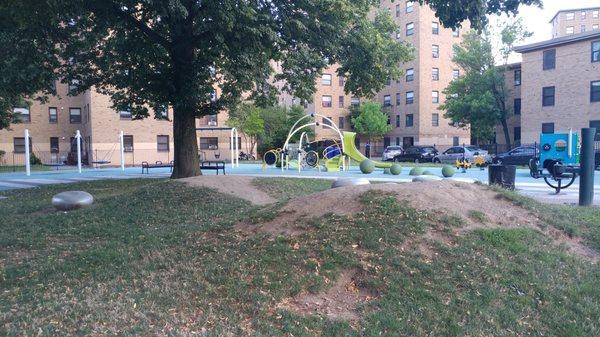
x=586 y=181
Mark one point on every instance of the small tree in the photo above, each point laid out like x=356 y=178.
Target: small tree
x=478 y=99
x=371 y=121
x=248 y=120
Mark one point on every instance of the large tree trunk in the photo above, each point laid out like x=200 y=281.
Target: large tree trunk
x=185 y=103
x=187 y=163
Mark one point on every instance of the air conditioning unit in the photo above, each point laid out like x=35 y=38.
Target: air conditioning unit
x=212 y=123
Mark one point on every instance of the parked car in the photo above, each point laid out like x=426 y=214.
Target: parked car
x=517 y=156
x=417 y=154
x=390 y=152
x=455 y=153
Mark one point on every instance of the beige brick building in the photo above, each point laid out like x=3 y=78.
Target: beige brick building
x=52 y=127
x=575 y=21
x=561 y=85
x=513 y=82
x=412 y=102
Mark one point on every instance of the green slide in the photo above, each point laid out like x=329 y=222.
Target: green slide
x=352 y=152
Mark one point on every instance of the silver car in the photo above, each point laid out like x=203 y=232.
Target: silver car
x=391 y=151
x=455 y=153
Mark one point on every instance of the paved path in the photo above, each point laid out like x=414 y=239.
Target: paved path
x=536 y=189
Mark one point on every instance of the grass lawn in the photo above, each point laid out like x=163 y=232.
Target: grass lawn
x=155 y=257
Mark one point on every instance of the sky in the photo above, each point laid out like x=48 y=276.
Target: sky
x=537 y=20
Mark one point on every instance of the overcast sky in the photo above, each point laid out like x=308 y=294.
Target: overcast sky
x=537 y=20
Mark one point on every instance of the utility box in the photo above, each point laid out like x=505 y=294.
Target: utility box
x=559 y=147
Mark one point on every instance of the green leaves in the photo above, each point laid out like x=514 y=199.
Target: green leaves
x=371 y=121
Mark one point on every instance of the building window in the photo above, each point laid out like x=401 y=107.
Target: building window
x=435 y=96
x=547 y=127
x=19 y=145
x=435 y=119
x=341 y=122
x=397 y=141
x=409 y=120
x=435 y=51
x=596 y=14
x=397 y=121
x=517 y=106
x=583 y=28
x=410 y=75
x=387 y=100
x=341 y=81
x=325 y=122
x=596 y=51
x=410 y=29
x=570 y=30
x=435 y=74
x=570 y=16
x=548 y=96
x=583 y=14
x=456 y=32
x=398 y=99
x=409 y=6
x=354 y=101
x=455 y=74
x=326 y=101
x=162 y=112
x=341 y=101
x=74 y=115
x=127 y=143
x=517 y=134
x=125 y=114
x=22 y=115
x=73 y=87
x=52 y=115
x=595 y=26
x=398 y=35
x=549 y=59
x=595 y=91
x=435 y=28
x=54 y=145
x=397 y=10
x=209 y=143
x=389 y=120
x=410 y=97
x=326 y=79
x=162 y=143
x=517 y=77
x=596 y=124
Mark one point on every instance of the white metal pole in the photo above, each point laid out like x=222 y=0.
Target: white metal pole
x=232 y=147
x=122 y=150
x=78 y=140
x=237 y=149
x=27 y=154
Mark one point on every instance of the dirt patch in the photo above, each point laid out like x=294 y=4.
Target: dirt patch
x=448 y=198
x=338 y=302
x=237 y=186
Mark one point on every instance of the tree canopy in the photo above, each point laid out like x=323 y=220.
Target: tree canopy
x=146 y=53
x=371 y=121
x=478 y=99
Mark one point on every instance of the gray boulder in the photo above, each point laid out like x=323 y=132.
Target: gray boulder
x=422 y=179
x=66 y=201
x=350 y=182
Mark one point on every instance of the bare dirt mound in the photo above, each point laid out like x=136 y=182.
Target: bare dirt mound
x=237 y=186
x=475 y=205
x=338 y=302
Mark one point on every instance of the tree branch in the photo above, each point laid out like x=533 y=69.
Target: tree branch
x=141 y=26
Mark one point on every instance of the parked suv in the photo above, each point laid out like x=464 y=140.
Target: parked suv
x=390 y=152
x=455 y=153
x=417 y=154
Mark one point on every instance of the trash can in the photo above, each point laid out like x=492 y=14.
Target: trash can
x=502 y=175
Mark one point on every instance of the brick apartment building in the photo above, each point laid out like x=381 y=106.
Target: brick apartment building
x=52 y=127
x=556 y=87
x=411 y=102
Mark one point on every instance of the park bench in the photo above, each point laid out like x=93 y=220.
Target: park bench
x=147 y=166
x=213 y=165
